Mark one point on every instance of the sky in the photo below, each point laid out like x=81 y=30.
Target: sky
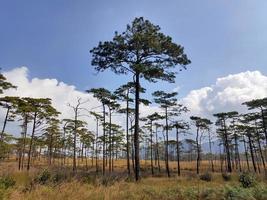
x=44 y=48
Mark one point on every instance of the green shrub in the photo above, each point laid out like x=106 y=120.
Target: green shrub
x=210 y=194
x=43 y=177
x=260 y=192
x=238 y=193
x=190 y=193
x=7 y=182
x=247 y=180
x=206 y=177
x=226 y=176
x=58 y=177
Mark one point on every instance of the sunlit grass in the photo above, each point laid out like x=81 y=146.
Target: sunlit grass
x=186 y=187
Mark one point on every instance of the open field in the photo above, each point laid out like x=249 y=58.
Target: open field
x=60 y=183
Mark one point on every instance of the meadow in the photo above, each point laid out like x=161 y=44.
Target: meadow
x=58 y=182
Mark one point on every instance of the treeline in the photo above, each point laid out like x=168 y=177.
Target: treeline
x=142 y=52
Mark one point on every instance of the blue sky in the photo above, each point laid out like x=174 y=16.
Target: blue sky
x=53 y=37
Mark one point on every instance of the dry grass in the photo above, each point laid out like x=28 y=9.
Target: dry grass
x=186 y=187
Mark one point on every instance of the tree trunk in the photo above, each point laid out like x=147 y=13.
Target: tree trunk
x=246 y=152
x=109 y=140
x=178 y=152
x=259 y=145
x=252 y=153
x=104 y=139
x=227 y=148
x=211 y=156
x=31 y=141
x=237 y=153
x=151 y=150
x=136 y=129
x=157 y=148
x=96 y=147
x=127 y=133
x=167 y=143
x=264 y=129
x=198 y=150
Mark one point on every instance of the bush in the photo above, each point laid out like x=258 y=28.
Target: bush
x=7 y=182
x=210 y=194
x=58 y=177
x=260 y=192
x=237 y=193
x=43 y=177
x=190 y=193
x=226 y=176
x=205 y=177
x=247 y=180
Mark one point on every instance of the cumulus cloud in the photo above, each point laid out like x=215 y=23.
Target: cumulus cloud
x=60 y=93
x=227 y=94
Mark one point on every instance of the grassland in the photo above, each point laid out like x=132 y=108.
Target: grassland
x=58 y=182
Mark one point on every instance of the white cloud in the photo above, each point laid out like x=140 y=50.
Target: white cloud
x=60 y=93
x=227 y=94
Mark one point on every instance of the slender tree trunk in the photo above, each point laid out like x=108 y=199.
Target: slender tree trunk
x=198 y=150
x=178 y=151
x=50 y=150
x=74 y=167
x=157 y=148
x=259 y=145
x=127 y=133
x=23 y=137
x=227 y=148
x=246 y=153
x=167 y=143
x=211 y=156
x=96 y=147
x=31 y=141
x=237 y=152
x=151 y=150
x=251 y=152
x=104 y=139
x=109 y=140
x=264 y=129
x=136 y=130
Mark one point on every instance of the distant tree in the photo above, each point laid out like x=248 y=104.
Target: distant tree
x=113 y=106
x=201 y=125
x=41 y=110
x=98 y=118
x=10 y=104
x=260 y=104
x=52 y=136
x=123 y=94
x=77 y=126
x=150 y=120
x=4 y=84
x=224 y=133
x=167 y=102
x=23 y=110
x=180 y=127
x=143 y=51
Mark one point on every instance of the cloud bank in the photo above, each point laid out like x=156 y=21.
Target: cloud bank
x=227 y=94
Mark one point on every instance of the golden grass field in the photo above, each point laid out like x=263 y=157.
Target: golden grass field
x=118 y=187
